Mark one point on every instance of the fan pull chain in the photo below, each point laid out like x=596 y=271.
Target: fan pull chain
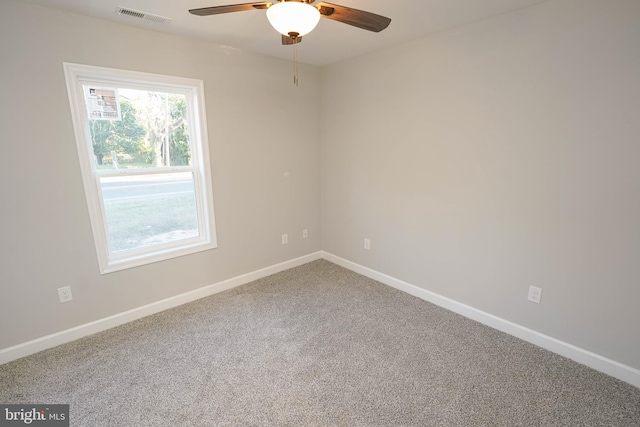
x=295 y=37
x=295 y=61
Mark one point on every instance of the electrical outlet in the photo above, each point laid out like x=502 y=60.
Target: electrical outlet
x=285 y=239
x=305 y=233
x=64 y=294
x=535 y=294
x=367 y=244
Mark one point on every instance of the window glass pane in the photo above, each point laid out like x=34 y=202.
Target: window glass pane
x=149 y=210
x=133 y=128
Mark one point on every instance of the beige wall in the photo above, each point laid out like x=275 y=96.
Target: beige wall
x=496 y=156
x=260 y=126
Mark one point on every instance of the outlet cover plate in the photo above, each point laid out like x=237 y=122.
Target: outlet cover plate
x=65 y=294
x=535 y=294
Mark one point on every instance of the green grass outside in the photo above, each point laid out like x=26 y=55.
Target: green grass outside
x=137 y=223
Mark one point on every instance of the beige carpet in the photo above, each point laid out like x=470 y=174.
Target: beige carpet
x=316 y=345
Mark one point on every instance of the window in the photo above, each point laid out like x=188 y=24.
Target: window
x=142 y=144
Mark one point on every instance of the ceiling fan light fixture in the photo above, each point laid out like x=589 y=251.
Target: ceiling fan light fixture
x=293 y=17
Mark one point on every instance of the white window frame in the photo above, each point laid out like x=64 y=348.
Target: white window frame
x=76 y=76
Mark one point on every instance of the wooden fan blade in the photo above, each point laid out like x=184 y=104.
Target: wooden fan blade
x=357 y=18
x=286 y=40
x=216 y=10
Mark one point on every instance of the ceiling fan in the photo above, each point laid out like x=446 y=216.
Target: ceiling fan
x=296 y=18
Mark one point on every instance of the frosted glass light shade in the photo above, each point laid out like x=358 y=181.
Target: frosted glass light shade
x=293 y=17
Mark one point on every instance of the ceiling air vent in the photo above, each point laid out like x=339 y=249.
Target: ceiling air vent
x=143 y=15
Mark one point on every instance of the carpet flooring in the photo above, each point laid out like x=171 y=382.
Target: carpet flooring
x=317 y=345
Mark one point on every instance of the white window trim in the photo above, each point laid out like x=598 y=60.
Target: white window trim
x=75 y=76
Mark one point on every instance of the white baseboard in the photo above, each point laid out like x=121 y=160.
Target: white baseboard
x=25 y=349
x=580 y=355
x=593 y=360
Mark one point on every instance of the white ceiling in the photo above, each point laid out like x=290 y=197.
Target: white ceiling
x=330 y=42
